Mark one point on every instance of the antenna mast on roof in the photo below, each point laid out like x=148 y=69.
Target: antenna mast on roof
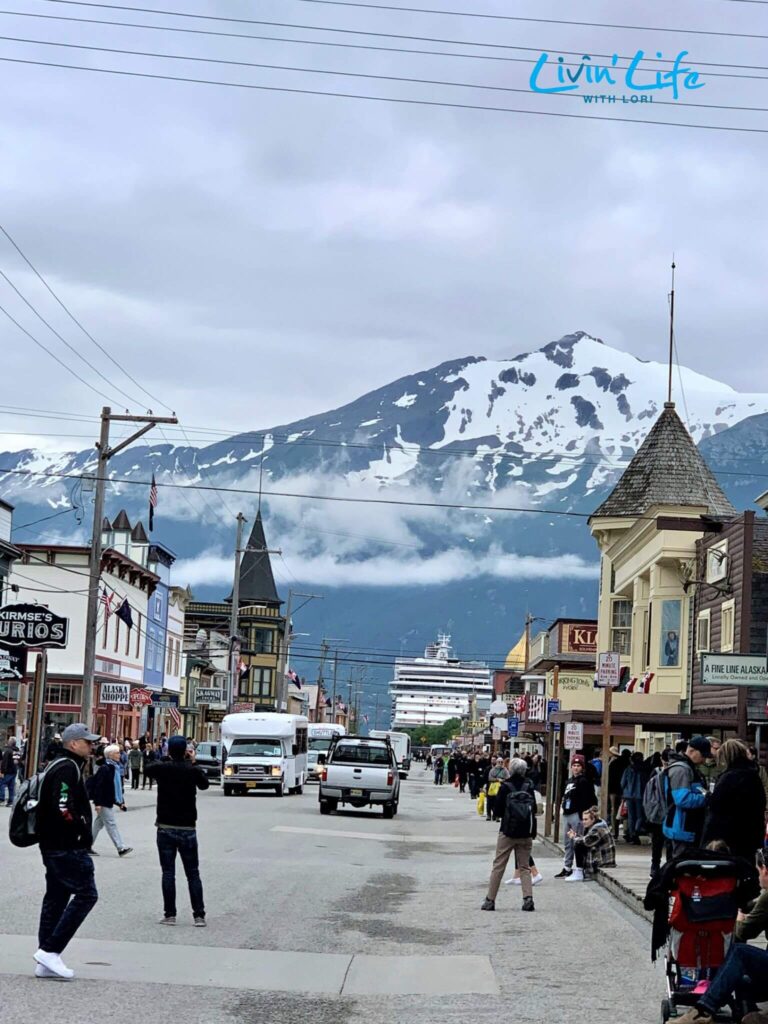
x=671 y=332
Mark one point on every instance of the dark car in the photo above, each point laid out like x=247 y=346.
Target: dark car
x=208 y=758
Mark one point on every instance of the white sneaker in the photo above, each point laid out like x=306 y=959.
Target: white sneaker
x=538 y=879
x=43 y=972
x=54 y=963
x=576 y=876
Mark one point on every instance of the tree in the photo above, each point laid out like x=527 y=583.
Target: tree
x=426 y=735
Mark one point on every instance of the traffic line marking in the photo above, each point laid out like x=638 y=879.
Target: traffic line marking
x=380 y=837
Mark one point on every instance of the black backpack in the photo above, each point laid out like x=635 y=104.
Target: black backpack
x=519 y=819
x=22 y=826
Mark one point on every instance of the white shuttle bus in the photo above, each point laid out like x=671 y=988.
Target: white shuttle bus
x=401 y=744
x=263 y=750
x=321 y=735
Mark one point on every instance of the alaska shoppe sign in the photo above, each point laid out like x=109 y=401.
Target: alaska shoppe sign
x=29 y=625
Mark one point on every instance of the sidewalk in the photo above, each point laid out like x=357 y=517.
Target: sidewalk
x=628 y=880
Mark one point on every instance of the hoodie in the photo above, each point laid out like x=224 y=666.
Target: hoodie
x=686 y=796
x=579 y=795
x=736 y=810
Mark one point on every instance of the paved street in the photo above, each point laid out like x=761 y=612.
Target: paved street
x=320 y=917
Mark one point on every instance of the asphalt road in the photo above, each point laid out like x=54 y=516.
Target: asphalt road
x=384 y=914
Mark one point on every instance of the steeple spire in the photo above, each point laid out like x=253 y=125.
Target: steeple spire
x=670 y=403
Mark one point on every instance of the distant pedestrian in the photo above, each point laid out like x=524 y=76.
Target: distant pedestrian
x=633 y=783
x=736 y=807
x=52 y=751
x=579 y=796
x=178 y=780
x=617 y=765
x=148 y=757
x=517 y=797
x=107 y=796
x=496 y=775
x=64 y=830
x=462 y=768
x=8 y=768
x=451 y=768
x=655 y=807
x=134 y=763
x=439 y=769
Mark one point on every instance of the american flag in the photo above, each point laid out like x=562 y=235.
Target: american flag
x=106 y=600
x=175 y=717
x=293 y=677
x=152 y=503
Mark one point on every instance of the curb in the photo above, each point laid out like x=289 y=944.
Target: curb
x=617 y=889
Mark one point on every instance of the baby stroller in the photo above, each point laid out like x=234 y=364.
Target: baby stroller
x=696 y=899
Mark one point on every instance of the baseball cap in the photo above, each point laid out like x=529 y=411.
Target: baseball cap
x=577 y=759
x=702 y=744
x=78 y=731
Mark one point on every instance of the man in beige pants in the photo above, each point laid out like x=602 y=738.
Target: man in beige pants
x=516 y=801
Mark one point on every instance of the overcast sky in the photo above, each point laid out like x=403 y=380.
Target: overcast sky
x=254 y=257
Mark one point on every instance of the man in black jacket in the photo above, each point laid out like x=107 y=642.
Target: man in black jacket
x=64 y=829
x=178 y=779
x=579 y=796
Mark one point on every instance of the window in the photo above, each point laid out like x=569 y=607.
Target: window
x=260 y=682
x=621 y=626
x=261 y=641
x=727 y=615
x=117 y=634
x=177 y=659
x=669 y=652
x=158 y=607
x=169 y=659
x=63 y=693
x=717 y=562
x=702 y=631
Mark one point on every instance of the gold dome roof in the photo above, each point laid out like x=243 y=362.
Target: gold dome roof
x=516 y=657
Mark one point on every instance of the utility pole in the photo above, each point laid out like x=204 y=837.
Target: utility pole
x=285 y=644
x=92 y=614
x=233 y=613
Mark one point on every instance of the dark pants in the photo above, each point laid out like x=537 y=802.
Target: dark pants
x=474 y=786
x=70 y=896
x=657 y=846
x=169 y=842
x=745 y=972
x=7 y=783
x=135 y=779
x=147 y=779
x=462 y=782
x=635 y=818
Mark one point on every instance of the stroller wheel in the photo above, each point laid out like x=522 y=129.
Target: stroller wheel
x=666 y=1010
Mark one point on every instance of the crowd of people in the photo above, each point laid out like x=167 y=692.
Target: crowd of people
x=81 y=769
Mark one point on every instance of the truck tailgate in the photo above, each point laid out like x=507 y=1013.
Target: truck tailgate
x=362 y=776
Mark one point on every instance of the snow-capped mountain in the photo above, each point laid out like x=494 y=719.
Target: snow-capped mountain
x=559 y=423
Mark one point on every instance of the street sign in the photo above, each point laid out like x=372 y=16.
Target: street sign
x=734 y=669
x=209 y=695
x=115 y=693
x=215 y=714
x=499 y=725
x=498 y=707
x=608 y=669
x=574 y=735
x=513 y=725
x=12 y=663
x=141 y=696
x=31 y=625
x=242 y=708
x=552 y=707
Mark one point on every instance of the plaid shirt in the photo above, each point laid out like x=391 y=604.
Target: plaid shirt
x=600 y=848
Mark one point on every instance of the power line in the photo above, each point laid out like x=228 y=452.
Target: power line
x=75 y=320
x=382 y=99
x=44 y=519
x=341 y=74
x=362 y=46
x=502 y=17
x=53 y=355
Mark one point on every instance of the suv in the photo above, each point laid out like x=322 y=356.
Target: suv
x=360 y=772
x=207 y=757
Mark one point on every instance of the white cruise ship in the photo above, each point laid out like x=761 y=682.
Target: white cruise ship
x=432 y=689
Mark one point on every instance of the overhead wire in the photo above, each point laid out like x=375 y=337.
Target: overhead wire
x=347 y=74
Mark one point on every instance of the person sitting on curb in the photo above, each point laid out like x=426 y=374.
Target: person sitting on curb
x=594 y=849
x=579 y=796
x=745 y=968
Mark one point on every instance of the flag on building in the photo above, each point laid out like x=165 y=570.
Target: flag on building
x=173 y=713
x=106 y=600
x=124 y=614
x=242 y=669
x=293 y=677
x=152 y=503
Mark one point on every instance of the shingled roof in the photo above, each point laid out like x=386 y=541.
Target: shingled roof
x=667 y=469
x=257 y=584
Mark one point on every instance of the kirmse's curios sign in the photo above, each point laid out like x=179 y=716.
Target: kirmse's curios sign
x=30 y=625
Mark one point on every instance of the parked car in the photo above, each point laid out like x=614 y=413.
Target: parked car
x=360 y=772
x=208 y=757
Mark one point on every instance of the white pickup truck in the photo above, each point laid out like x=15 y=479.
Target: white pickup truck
x=360 y=772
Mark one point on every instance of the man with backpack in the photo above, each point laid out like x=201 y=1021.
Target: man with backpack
x=686 y=795
x=516 y=801
x=655 y=809
x=62 y=827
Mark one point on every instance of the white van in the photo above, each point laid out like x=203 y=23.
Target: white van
x=321 y=735
x=401 y=744
x=263 y=750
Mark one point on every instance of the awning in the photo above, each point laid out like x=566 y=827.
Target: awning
x=650 y=721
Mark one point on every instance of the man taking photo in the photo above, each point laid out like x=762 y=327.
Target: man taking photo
x=178 y=779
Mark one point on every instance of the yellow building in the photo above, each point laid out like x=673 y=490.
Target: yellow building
x=646 y=531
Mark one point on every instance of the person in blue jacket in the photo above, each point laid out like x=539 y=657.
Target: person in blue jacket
x=687 y=795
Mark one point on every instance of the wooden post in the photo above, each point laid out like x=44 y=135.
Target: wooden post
x=35 y=734
x=551 y=791
x=607 y=711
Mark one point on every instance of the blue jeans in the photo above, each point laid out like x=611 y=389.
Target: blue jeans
x=169 y=842
x=7 y=782
x=70 y=896
x=745 y=972
x=635 y=816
